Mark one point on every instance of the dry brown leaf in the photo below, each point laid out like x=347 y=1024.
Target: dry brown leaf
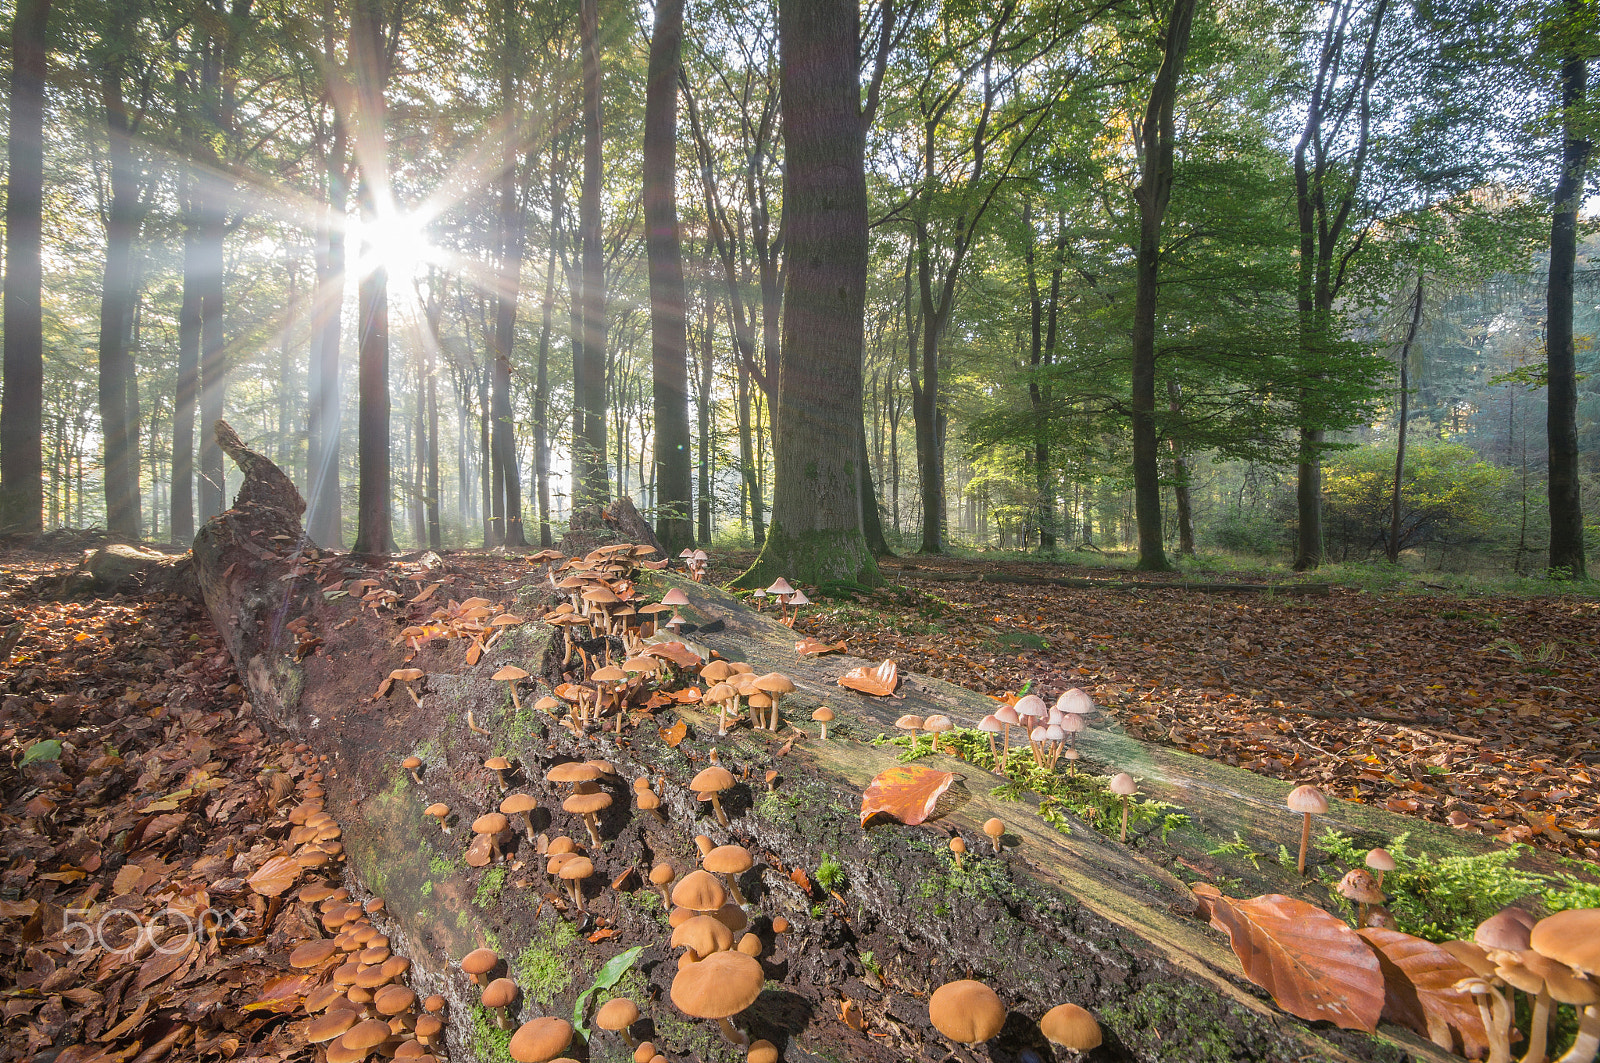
x=814 y=648
x=907 y=792
x=275 y=876
x=1419 y=994
x=427 y=592
x=674 y=734
x=880 y=681
x=1314 y=965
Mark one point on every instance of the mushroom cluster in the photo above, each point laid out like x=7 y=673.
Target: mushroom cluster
x=695 y=562
x=968 y=1012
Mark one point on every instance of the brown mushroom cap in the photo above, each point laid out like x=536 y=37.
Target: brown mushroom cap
x=499 y=993
x=728 y=860
x=333 y=1024
x=823 y=714
x=1307 y=798
x=368 y=1034
x=587 y=804
x=1571 y=937
x=541 y=1040
x=775 y=683
x=994 y=828
x=1380 y=860
x=479 y=961
x=1471 y=956
x=490 y=823
x=704 y=935
x=518 y=803
x=762 y=1052
x=701 y=891
x=662 y=874
x=1071 y=1027
x=750 y=945
x=1359 y=885
x=909 y=722
x=712 y=780
x=438 y=808
x=393 y=999
x=617 y=1014
x=312 y=953
x=1122 y=784
x=411 y=763
x=561 y=844
x=966 y=1011
x=722 y=984
x=1507 y=930
x=573 y=771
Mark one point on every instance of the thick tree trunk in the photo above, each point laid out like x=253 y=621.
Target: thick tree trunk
x=1056 y=916
x=591 y=480
x=118 y=427
x=512 y=237
x=1152 y=195
x=181 y=524
x=1566 y=502
x=669 y=332
x=816 y=533
x=22 y=406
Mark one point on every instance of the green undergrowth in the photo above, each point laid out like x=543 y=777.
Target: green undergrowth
x=1445 y=898
x=544 y=966
x=1060 y=791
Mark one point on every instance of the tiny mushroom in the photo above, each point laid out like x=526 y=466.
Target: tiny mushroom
x=510 y=674
x=710 y=783
x=1308 y=801
x=718 y=987
x=1122 y=784
x=440 y=812
x=1358 y=885
x=498 y=996
x=587 y=806
x=1380 y=861
x=661 y=877
x=966 y=1011
x=411 y=764
x=499 y=765
x=573 y=872
x=958 y=846
x=491 y=825
x=1070 y=1027
x=775 y=685
x=521 y=805
x=824 y=716
x=761 y=1052
x=995 y=830
x=937 y=725
x=617 y=1015
x=729 y=861
x=478 y=963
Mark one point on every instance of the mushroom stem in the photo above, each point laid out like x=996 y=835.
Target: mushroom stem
x=594 y=834
x=1586 y=1045
x=1305 y=839
x=577 y=894
x=992 y=751
x=722 y=817
x=1005 y=747
x=734 y=1036
x=527 y=820
x=415 y=777
x=501 y=775
x=1539 y=1028
x=666 y=898
x=1124 y=817
x=825 y=733
x=733 y=888
x=516 y=702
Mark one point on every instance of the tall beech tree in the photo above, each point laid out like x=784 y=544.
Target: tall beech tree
x=816 y=532
x=22 y=409
x=669 y=330
x=1157 y=137
x=591 y=481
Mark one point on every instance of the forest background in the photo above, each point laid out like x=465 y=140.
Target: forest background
x=1270 y=278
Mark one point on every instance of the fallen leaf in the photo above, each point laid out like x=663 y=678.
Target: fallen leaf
x=1314 y=965
x=880 y=681
x=907 y=792
x=1419 y=994
x=814 y=648
x=427 y=592
x=274 y=876
x=601 y=934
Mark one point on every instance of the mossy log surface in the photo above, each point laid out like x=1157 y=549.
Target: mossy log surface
x=1055 y=917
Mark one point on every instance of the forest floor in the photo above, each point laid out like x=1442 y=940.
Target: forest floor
x=1479 y=712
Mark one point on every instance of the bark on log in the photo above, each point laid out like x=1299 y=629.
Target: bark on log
x=1056 y=917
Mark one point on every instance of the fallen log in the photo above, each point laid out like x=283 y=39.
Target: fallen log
x=878 y=917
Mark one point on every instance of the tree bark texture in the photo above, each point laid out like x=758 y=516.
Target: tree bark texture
x=512 y=237
x=1393 y=548
x=1055 y=916
x=1566 y=502
x=22 y=407
x=669 y=330
x=1152 y=195
x=816 y=534
x=181 y=523
x=118 y=294
x=325 y=515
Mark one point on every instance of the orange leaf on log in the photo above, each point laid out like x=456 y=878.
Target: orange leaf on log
x=880 y=680
x=674 y=734
x=274 y=876
x=1314 y=965
x=813 y=648
x=907 y=792
x=1419 y=994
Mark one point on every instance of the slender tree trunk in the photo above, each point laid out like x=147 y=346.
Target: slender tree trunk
x=1044 y=489
x=1152 y=195
x=703 y=414
x=435 y=532
x=541 y=386
x=374 y=534
x=817 y=520
x=324 y=509
x=591 y=480
x=1392 y=549
x=669 y=338
x=1566 y=504
x=119 y=431
x=22 y=406
x=1182 y=500
x=507 y=474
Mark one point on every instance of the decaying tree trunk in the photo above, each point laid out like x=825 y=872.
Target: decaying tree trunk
x=878 y=917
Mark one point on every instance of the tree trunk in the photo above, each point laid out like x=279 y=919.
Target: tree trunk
x=22 y=404
x=1121 y=937
x=325 y=515
x=1043 y=481
x=669 y=335
x=1152 y=195
x=541 y=384
x=817 y=520
x=374 y=536
x=591 y=480
x=1181 y=498
x=181 y=523
x=1393 y=548
x=117 y=296
x=1566 y=503
x=702 y=409
x=512 y=237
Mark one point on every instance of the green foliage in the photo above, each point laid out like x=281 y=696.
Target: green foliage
x=830 y=873
x=489 y=887
x=41 y=752
x=610 y=974
x=1446 y=898
x=544 y=967
x=1447 y=491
